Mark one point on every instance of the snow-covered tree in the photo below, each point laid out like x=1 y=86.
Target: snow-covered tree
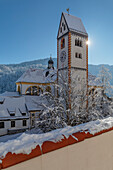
x=57 y=111
x=53 y=116
x=105 y=78
x=100 y=103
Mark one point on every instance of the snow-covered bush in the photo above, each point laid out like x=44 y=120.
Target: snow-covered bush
x=53 y=115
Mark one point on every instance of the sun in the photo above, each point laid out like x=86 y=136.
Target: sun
x=88 y=42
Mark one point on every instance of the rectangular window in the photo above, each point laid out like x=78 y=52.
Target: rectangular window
x=24 y=123
x=12 y=123
x=1 y=125
x=76 y=55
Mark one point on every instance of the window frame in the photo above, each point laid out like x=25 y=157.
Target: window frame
x=80 y=55
x=24 y=122
x=76 y=55
x=78 y=43
x=62 y=43
x=2 y=126
x=12 y=125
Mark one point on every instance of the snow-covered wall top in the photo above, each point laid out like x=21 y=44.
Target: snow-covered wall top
x=27 y=146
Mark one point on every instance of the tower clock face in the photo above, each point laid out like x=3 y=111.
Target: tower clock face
x=63 y=56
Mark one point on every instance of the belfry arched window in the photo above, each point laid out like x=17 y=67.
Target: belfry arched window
x=76 y=55
x=78 y=42
x=62 y=43
x=80 y=55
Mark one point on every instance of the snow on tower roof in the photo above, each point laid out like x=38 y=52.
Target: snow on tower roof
x=38 y=76
x=75 y=24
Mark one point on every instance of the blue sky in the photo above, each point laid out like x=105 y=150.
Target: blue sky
x=28 y=28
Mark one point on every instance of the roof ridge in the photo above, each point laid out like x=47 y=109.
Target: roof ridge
x=71 y=15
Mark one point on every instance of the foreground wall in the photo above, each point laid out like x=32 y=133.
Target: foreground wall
x=95 y=153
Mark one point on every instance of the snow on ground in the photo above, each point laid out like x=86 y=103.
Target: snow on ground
x=25 y=142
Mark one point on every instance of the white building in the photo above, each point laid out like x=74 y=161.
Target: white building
x=20 y=110
x=14 y=116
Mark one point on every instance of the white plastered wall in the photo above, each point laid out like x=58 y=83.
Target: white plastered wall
x=18 y=125
x=65 y=63
x=77 y=62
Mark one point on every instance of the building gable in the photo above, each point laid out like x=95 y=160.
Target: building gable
x=73 y=24
x=63 y=27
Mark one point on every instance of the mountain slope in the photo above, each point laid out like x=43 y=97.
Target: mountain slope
x=9 y=73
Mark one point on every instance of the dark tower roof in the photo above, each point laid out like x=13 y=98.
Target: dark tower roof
x=50 y=61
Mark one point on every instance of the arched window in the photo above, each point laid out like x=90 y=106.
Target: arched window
x=40 y=91
x=18 y=89
x=64 y=27
x=80 y=43
x=34 y=90
x=76 y=42
x=48 y=89
x=28 y=91
x=76 y=55
x=80 y=55
x=62 y=43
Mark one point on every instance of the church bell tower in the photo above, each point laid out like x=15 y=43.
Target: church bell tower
x=72 y=49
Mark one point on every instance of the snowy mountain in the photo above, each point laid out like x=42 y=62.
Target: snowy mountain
x=9 y=73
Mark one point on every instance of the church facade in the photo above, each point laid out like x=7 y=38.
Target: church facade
x=37 y=81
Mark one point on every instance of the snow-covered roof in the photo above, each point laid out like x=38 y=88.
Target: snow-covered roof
x=75 y=24
x=38 y=76
x=34 y=103
x=13 y=94
x=12 y=105
x=16 y=106
x=93 y=81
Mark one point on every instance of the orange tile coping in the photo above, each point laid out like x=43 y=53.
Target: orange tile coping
x=48 y=146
